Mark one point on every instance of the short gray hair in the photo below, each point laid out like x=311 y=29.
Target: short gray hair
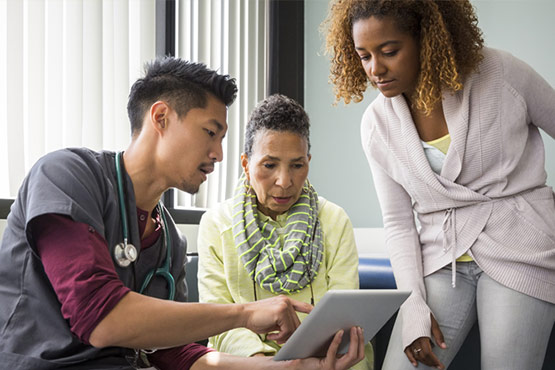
x=278 y=113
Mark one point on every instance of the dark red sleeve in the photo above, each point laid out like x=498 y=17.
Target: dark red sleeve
x=178 y=358
x=77 y=262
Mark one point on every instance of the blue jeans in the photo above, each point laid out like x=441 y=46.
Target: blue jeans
x=514 y=327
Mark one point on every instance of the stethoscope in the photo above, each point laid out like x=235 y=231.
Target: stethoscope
x=125 y=253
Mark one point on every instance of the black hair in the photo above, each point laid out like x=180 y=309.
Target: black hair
x=278 y=113
x=183 y=85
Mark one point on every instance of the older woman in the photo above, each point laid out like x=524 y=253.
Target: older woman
x=276 y=235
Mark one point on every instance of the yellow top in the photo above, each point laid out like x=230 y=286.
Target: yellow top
x=443 y=145
x=222 y=278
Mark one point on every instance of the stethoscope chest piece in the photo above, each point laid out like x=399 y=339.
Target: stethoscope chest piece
x=125 y=254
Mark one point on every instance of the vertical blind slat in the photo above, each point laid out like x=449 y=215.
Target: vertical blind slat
x=184 y=35
x=92 y=68
x=261 y=51
x=15 y=98
x=141 y=22
x=212 y=59
x=72 y=78
x=4 y=185
x=109 y=129
x=231 y=144
x=53 y=75
x=121 y=71
x=233 y=69
x=33 y=59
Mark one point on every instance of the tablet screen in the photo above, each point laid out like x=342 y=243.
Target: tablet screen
x=341 y=309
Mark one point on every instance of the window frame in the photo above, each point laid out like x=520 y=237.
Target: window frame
x=286 y=44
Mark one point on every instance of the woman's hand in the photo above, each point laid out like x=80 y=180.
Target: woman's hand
x=421 y=348
x=334 y=361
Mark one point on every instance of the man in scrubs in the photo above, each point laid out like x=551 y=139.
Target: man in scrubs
x=70 y=298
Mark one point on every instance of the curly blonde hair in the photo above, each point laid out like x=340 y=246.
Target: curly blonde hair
x=446 y=31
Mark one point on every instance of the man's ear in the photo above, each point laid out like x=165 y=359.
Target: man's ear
x=245 y=165
x=158 y=116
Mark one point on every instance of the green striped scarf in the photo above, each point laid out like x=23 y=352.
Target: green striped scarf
x=278 y=268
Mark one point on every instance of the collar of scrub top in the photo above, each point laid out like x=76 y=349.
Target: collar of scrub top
x=162 y=271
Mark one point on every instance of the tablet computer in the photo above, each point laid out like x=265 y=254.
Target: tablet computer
x=341 y=309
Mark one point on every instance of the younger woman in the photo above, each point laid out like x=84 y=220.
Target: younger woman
x=454 y=138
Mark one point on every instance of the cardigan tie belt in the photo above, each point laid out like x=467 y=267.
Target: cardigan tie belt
x=449 y=225
x=449 y=228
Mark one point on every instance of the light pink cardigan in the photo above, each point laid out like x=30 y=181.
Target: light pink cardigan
x=490 y=199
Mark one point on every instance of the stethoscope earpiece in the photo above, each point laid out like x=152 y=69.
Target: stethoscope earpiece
x=125 y=254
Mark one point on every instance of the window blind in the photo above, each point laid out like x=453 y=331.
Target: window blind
x=229 y=36
x=66 y=67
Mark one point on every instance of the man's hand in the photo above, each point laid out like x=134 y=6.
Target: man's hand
x=276 y=314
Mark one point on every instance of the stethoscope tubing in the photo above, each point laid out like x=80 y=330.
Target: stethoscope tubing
x=162 y=271
x=121 y=198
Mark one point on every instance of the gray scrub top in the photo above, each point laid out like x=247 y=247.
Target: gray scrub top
x=81 y=184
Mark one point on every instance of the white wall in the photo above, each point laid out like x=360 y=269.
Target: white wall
x=190 y=232
x=338 y=169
